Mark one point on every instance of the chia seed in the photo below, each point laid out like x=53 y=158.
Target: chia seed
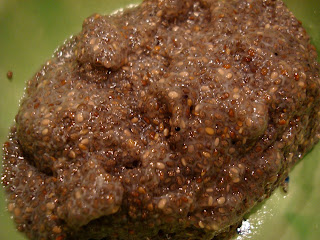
x=169 y=120
x=9 y=75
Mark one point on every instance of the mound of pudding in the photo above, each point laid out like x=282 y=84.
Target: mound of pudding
x=170 y=120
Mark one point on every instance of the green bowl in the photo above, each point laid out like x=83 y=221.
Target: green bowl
x=31 y=30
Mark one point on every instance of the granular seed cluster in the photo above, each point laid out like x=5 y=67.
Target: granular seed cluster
x=167 y=121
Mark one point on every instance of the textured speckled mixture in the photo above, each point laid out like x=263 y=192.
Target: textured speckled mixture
x=167 y=121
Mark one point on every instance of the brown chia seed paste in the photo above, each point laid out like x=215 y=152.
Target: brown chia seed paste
x=167 y=121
